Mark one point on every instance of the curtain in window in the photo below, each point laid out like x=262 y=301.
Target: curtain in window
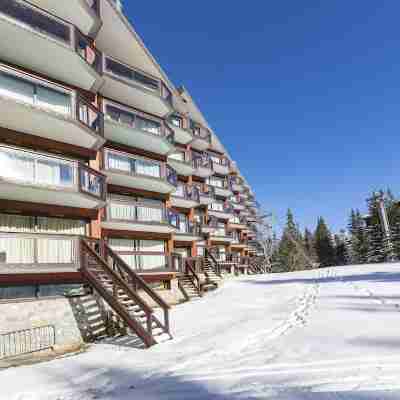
x=61 y=226
x=148 y=168
x=53 y=100
x=123 y=211
x=16 y=223
x=147 y=214
x=131 y=260
x=16 y=88
x=55 y=251
x=148 y=125
x=149 y=262
x=122 y=244
x=183 y=223
x=17 y=165
x=119 y=162
x=17 y=250
x=156 y=246
x=54 y=172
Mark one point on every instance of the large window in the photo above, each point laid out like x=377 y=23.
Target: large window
x=20 y=245
x=33 y=93
x=216 y=182
x=40 y=291
x=35 y=168
x=136 y=209
x=133 y=120
x=133 y=165
x=141 y=254
x=128 y=73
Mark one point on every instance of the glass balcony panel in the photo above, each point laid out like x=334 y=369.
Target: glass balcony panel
x=91 y=182
x=54 y=172
x=120 y=162
x=14 y=250
x=148 y=214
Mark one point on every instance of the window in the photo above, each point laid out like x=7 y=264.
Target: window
x=148 y=125
x=40 y=291
x=128 y=73
x=121 y=116
x=34 y=93
x=216 y=182
x=177 y=121
x=28 y=224
x=180 y=156
x=141 y=254
x=183 y=223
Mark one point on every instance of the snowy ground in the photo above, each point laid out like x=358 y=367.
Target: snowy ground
x=331 y=334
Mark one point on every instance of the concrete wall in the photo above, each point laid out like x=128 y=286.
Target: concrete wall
x=71 y=318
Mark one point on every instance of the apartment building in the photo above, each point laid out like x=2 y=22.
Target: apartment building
x=97 y=143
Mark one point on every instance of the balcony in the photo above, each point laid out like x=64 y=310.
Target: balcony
x=33 y=253
x=238 y=223
x=222 y=191
x=129 y=127
x=220 y=211
x=206 y=195
x=124 y=214
x=221 y=235
x=181 y=163
x=127 y=170
x=201 y=137
x=202 y=166
x=38 y=108
x=182 y=135
x=31 y=177
x=135 y=88
x=220 y=165
x=85 y=14
x=188 y=232
x=46 y=44
x=185 y=197
x=237 y=205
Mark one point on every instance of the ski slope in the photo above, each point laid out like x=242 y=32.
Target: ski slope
x=329 y=334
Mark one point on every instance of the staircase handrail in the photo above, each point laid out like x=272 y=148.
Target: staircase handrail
x=192 y=275
x=131 y=321
x=141 y=284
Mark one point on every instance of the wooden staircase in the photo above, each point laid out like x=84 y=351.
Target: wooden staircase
x=211 y=269
x=118 y=286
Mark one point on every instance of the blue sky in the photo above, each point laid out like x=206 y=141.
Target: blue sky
x=305 y=95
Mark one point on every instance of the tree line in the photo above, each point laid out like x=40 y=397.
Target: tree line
x=364 y=241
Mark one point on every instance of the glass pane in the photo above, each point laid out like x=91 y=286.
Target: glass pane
x=145 y=80
x=17 y=250
x=148 y=168
x=150 y=262
x=156 y=246
x=60 y=290
x=55 y=251
x=16 y=88
x=119 y=69
x=91 y=183
x=54 y=172
x=178 y=156
x=61 y=226
x=148 y=125
x=180 y=191
x=16 y=223
x=147 y=214
x=130 y=259
x=122 y=244
x=120 y=115
x=17 y=165
x=120 y=162
x=17 y=292
x=122 y=211
x=53 y=100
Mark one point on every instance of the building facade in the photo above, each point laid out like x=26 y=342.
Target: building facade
x=96 y=142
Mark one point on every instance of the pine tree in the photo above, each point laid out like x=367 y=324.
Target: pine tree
x=341 y=257
x=323 y=244
x=309 y=246
x=292 y=255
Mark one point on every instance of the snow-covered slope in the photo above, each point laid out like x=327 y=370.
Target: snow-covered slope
x=331 y=334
